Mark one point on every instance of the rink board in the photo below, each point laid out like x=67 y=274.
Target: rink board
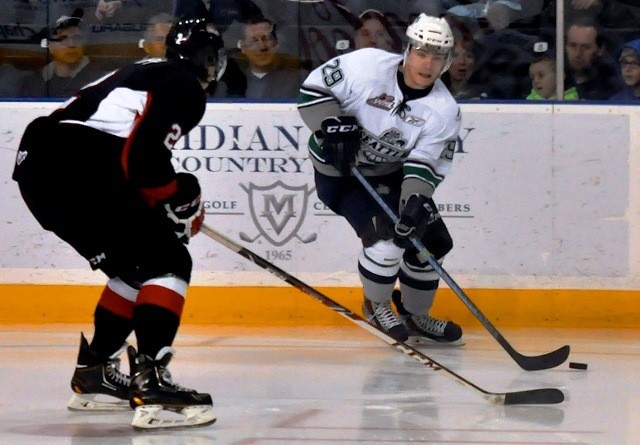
x=287 y=306
x=543 y=203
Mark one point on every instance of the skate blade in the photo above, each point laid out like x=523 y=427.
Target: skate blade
x=418 y=340
x=90 y=402
x=155 y=417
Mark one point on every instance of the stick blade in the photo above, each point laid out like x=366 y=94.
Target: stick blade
x=543 y=396
x=546 y=361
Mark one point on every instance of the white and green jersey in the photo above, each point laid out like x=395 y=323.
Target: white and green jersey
x=418 y=135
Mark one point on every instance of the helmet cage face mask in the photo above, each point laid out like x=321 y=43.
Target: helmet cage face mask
x=432 y=35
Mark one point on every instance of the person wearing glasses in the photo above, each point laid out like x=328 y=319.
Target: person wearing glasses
x=630 y=69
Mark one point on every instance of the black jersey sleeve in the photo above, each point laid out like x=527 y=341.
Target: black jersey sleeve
x=173 y=107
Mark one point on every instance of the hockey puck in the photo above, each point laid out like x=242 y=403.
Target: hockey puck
x=575 y=365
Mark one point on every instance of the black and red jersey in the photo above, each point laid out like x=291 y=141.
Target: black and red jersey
x=140 y=111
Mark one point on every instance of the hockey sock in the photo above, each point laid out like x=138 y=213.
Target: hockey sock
x=156 y=316
x=378 y=267
x=155 y=327
x=112 y=322
x=417 y=296
x=376 y=288
x=111 y=331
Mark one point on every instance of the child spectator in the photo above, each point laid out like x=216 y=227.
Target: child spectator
x=630 y=68
x=542 y=71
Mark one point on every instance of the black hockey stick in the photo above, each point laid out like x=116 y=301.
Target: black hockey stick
x=542 y=396
x=528 y=363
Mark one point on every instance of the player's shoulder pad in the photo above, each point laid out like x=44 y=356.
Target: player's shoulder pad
x=447 y=105
x=369 y=58
x=367 y=64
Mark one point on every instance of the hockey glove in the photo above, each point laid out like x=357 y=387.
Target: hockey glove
x=414 y=219
x=341 y=142
x=184 y=208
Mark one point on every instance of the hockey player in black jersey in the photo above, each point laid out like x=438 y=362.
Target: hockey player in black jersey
x=97 y=172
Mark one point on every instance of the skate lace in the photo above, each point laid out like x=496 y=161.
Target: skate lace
x=430 y=324
x=166 y=376
x=383 y=314
x=113 y=372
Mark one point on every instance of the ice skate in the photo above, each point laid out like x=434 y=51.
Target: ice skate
x=382 y=316
x=160 y=403
x=98 y=384
x=424 y=329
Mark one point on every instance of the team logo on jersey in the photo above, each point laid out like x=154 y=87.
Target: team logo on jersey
x=278 y=211
x=389 y=147
x=384 y=102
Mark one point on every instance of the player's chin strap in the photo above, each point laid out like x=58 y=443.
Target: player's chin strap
x=528 y=363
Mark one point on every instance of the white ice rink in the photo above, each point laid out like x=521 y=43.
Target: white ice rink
x=337 y=385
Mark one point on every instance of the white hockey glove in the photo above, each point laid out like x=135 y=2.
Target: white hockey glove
x=414 y=219
x=341 y=142
x=184 y=208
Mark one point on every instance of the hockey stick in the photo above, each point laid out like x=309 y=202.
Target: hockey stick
x=542 y=396
x=528 y=363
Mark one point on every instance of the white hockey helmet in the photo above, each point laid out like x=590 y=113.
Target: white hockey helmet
x=432 y=33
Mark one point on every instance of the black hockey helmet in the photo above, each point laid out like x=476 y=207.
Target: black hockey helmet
x=197 y=43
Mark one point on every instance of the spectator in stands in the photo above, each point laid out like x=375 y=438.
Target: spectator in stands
x=544 y=79
x=589 y=69
x=373 y=30
x=69 y=69
x=630 y=67
x=459 y=78
x=269 y=74
x=618 y=19
x=155 y=35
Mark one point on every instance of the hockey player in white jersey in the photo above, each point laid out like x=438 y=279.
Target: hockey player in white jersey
x=392 y=117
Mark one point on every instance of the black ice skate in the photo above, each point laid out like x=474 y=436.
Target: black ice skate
x=98 y=384
x=424 y=329
x=381 y=315
x=153 y=392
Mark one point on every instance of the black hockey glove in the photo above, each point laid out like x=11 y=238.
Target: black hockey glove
x=414 y=219
x=184 y=208
x=341 y=142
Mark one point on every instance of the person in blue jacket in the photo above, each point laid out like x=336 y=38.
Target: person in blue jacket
x=630 y=69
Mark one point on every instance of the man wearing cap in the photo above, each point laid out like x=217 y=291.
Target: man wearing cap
x=70 y=69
